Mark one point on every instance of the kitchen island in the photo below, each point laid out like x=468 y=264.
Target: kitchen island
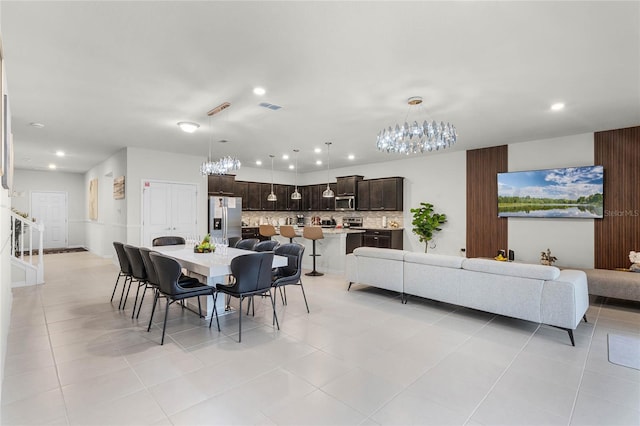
x=332 y=249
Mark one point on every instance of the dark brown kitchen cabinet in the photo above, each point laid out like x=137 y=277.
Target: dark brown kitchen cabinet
x=241 y=189
x=252 y=232
x=311 y=197
x=328 y=203
x=255 y=200
x=347 y=185
x=353 y=242
x=386 y=194
x=383 y=238
x=362 y=197
x=221 y=184
x=282 y=192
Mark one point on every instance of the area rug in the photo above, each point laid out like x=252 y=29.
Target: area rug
x=624 y=350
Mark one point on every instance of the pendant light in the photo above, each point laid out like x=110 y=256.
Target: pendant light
x=328 y=193
x=272 y=196
x=296 y=195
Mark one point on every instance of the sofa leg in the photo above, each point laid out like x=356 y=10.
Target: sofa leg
x=349 y=288
x=585 y=318
x=404 y=298
x=573 y=343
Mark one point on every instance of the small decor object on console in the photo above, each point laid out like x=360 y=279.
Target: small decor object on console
x=547 y=258
x=634 y=257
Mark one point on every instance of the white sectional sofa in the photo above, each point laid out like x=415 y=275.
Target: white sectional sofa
x=542 y=294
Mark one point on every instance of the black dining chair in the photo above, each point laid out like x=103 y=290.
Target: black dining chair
x=233 y=241
x=290 y=274
x=168 y=241
x=138 y=272
x=125 y=270
x=153 y=283
x=252 y=274
x=247 y=243
x=168 y=271
x=267 y=245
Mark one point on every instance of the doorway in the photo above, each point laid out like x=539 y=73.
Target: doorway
x=50 y=208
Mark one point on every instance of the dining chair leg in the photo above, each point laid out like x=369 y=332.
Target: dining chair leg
x=240 y=321
x=305 y=296
x=273 y=306
x=124 y=287
x=215 y=312
x=153 y=310
x=164 y=326
x=249 y=304
x=141 y=300
x=120 y=274
x=281 y=296
x=199 y=307
x=135 y=301
x=127 y=295
x=284 y=290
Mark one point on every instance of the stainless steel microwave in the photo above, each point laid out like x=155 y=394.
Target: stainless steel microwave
x=346 y=203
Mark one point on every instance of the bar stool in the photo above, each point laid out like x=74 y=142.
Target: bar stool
x=267 y=231
x=287 y=231
x=313 y=233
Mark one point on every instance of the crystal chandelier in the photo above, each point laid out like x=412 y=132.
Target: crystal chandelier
x=328 y=193
x=221 y=167
x=296 y=195
x=416 y=138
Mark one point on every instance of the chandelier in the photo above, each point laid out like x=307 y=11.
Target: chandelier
x=225 y=164
x=416 y=138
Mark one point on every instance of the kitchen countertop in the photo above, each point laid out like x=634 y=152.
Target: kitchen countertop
x=379 y=229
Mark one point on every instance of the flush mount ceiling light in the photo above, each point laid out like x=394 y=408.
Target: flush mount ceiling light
x=36 y=125
x=296 y=194
x=52 y=166
x=328 y=193
x=188 y=126
x=272 y=196
x=60 y=153
x=259 y=91
x=557 y=106
x=416 y=138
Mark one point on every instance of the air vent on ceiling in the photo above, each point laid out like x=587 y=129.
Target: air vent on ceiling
x=269 y=106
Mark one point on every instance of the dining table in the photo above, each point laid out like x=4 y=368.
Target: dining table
x=210 y=268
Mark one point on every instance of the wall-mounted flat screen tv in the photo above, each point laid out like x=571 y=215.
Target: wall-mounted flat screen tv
x=573 y=192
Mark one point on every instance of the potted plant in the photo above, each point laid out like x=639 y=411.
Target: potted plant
x=426 y=223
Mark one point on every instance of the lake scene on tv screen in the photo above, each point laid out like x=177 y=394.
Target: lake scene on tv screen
x=572 y=192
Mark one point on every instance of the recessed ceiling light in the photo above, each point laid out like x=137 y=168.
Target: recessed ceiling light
x=259 y=91
x=351 y=156
x=285 y=156
x=291 y=167
x=319 y=162
x=36 y=125
x=258 y=163
x=52 y=166
x=557 y=106
x=188 y=126
x=60 y=153
x=317 y=150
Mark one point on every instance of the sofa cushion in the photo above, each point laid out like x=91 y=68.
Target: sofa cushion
x=524 y=270
x=434 y=260
x=381 y=253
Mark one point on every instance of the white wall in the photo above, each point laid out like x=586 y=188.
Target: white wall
x=144 y=165
x=6 y=297
x=28 y=181
x=111 y=224
x=570 y=240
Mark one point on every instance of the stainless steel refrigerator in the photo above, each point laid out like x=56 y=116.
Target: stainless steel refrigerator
x=225 y=217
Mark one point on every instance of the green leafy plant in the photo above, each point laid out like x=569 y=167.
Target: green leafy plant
x=426 y=223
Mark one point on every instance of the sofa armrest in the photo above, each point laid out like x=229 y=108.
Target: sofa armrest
x=565 y=300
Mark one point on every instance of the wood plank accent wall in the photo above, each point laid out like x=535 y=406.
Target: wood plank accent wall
x=486 y=232
x=619 y=232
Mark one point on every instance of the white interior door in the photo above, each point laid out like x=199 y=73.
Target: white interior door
x=50 y=208
x=168 y=209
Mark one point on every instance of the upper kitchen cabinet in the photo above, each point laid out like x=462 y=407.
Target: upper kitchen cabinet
x=255 y=196
x=362 y=197
x=347 y=185
x=381 y=194
x=241 y=189
x=221 y=184
x=283 y=193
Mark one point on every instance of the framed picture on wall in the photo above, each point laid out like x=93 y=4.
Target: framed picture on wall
x=93 y=199
x=118 y=188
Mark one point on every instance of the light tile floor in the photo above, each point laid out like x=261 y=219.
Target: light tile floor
x=359 y=357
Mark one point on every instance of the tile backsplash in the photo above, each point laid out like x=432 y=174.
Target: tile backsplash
x=369 y=219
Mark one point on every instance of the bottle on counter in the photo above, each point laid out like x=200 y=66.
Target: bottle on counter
x=384 y=221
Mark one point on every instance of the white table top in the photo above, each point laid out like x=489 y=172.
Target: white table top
x=209 y=264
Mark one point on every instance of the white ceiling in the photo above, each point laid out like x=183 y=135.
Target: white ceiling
x=105 y=75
